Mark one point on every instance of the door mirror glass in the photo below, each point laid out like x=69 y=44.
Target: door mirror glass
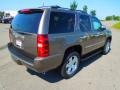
x=103 y=27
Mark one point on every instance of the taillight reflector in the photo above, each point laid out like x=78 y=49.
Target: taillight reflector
x=42 y=45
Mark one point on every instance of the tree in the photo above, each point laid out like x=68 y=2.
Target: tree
x=108 y=18
x=74 y=5
x=1 y=14
x=93 y=12
x=85 y=8
x=113 y=17
x=116 y=18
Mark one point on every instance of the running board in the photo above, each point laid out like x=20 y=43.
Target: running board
x=92 y=55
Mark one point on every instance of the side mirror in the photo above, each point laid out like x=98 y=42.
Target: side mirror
x=103 y=28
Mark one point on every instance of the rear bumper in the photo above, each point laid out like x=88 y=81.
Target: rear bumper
x=36 y=64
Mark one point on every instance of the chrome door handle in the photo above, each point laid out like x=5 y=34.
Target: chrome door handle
x=97 y=35
x=83 y=37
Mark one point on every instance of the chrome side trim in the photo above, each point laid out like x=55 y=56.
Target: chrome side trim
x=94 y=44
x=86 y=58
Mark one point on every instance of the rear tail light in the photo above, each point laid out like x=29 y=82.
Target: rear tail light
x=42 y=45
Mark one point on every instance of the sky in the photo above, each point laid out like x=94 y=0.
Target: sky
x=103 y=7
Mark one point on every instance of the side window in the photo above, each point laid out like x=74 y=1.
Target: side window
x=84 y=23
x=61 y=22
x=96 y=24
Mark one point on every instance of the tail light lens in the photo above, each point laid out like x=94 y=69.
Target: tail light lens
x=42 y=45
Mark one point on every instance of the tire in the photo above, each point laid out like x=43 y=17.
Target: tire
x=107 y=47
x=71 y=64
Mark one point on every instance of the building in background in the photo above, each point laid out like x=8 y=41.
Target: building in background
x=8 y=16
x=10 y=13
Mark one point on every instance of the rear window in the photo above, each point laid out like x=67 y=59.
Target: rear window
x=61 y=22
x=26 y=22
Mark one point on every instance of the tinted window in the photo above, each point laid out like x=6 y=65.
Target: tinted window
x=61 y=22
x=84 y=23
x=27 y=22
x=96 y=24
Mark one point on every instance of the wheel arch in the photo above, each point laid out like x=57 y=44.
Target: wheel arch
x=77 y=48
x=109 y=38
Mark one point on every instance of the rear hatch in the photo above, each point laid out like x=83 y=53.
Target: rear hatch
x=24 y=29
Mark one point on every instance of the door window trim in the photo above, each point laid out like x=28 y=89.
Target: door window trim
x=92 y=27
x=80 y=14
x=54 y=11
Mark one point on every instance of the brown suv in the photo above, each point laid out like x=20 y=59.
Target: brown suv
x=46 y=38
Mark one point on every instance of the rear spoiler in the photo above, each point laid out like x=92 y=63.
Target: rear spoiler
x=29 y=11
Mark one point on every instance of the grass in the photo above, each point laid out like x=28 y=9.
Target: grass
x=116 y=25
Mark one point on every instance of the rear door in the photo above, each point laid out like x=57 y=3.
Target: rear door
x=85 y=28
x=24 y=29
x=61 y=31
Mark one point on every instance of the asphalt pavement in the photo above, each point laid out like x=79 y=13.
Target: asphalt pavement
x=99 y=73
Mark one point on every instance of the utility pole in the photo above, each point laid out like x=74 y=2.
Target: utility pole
x=43 y=3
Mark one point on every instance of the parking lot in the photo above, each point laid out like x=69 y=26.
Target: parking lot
x=99 y=73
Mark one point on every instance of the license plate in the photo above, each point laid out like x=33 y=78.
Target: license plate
x=19 y=43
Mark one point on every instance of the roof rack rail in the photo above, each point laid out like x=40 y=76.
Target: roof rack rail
x=43 y=7
x=82 y=11
x=58 y=7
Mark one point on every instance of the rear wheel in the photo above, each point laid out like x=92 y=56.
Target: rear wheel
x=70 y=65
x=107 y=47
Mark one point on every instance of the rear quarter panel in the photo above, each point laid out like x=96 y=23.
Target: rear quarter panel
x=60 y=42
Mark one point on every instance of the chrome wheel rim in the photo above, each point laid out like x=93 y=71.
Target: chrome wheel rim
x=72 y=65
x=107 y=47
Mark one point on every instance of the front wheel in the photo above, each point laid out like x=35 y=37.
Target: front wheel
x=107 y=47
x=70 y=65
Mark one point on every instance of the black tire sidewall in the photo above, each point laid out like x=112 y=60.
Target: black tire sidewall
x=104 y=51
x=63 y=68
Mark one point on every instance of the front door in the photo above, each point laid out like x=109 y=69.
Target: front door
x=96 y=34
